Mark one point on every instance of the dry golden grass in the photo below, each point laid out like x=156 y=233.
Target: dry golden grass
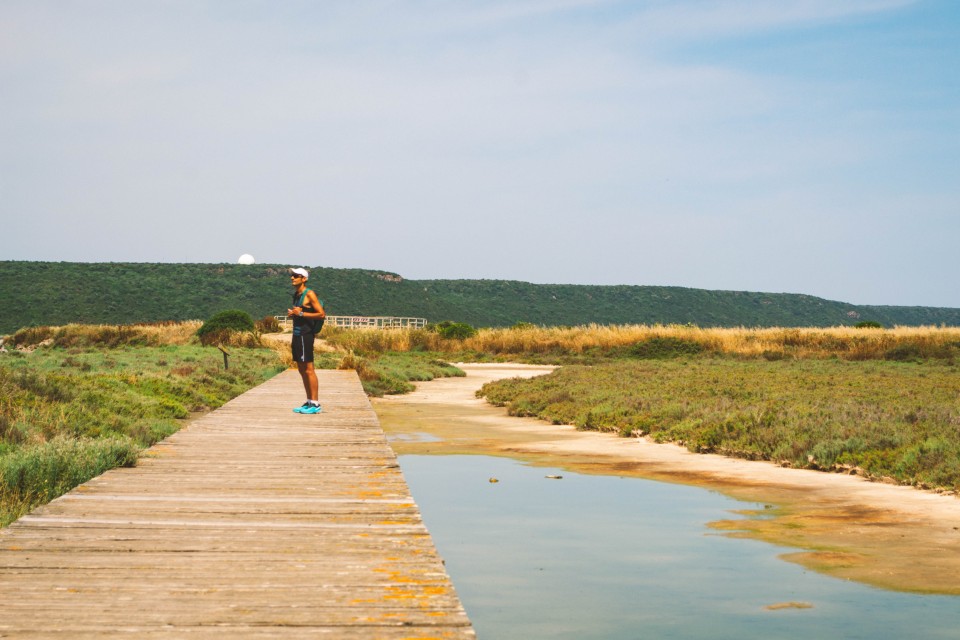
x=379 y=341
x=176 y=333
x=844 y=342
x=112 y=335
x=847 y=343
x=156 y=334
x=280 y=344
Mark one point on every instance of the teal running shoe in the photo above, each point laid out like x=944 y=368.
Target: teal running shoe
x=300 y=409
x=311 y=408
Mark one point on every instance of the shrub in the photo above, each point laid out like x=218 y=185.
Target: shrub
x=450 y=330
x=660 y=348
x=868 y=324
x=221 y=326
x=907 y=352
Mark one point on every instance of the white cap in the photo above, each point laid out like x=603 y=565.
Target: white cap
x=299 y=272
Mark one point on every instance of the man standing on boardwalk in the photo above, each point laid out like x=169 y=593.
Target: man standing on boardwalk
x=308 y=316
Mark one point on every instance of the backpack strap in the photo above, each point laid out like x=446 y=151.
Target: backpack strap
x=298 y=301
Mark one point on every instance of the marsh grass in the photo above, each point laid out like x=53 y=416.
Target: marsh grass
x=591 y=342
x=79 y=405
x=880 y=419
x=365 y=341
x=38 y=473
x=392 y=372
x=109 y=336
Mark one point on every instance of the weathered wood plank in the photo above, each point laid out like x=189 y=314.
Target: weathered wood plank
x=228 y=632
x=253 y=522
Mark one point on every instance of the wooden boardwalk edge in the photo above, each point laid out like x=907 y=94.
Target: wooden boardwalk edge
x=251 y=522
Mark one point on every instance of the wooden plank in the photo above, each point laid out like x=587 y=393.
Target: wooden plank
x=252 y=522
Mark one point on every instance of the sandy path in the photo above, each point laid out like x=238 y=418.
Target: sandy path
x=890 y=536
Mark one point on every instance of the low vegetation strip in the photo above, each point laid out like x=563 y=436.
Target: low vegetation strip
x=92 y=397
x=597 y=342
x=881 y=419
x=392 y=372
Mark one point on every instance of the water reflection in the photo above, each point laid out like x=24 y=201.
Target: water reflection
x=413 y=437
x=610 y=557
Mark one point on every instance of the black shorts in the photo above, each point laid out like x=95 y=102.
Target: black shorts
x=302 y=347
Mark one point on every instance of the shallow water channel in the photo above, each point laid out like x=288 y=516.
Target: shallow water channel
x=588 y=556
x=610 y=554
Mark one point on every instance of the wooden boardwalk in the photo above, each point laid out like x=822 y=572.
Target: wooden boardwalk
x=253 y=522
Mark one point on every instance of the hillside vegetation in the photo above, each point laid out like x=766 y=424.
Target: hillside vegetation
x=44 y=293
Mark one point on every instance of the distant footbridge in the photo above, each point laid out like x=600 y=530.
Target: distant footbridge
x=368 y=322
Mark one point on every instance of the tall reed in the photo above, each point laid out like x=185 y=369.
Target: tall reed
x=900 y=343
x=107 y=335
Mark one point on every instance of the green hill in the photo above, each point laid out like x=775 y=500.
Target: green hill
x=51 y=293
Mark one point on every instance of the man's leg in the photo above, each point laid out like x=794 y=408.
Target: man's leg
x=309 y=376
x=299 y=350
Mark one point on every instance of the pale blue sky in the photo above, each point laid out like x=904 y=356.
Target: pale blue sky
x=808 y=147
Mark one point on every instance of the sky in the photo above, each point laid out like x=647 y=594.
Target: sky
x=799 y=146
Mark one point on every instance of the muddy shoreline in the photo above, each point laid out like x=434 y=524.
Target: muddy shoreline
x=885 y=535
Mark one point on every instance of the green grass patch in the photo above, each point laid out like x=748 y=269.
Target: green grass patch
x=880 y=418
x=38 y=473
x=394 y=372
x=68 y=414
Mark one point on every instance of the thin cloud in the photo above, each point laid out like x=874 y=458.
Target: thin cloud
x=718 y=18
x=652 y=140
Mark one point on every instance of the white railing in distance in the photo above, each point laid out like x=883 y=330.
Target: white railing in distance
x=368 y=322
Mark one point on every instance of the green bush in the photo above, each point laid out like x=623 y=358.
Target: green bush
x=661 y=348
x=907 y=352
x=221 y=326
x=450 y=330
x=868 y=324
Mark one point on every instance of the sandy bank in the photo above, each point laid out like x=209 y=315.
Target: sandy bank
x=890 y=536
